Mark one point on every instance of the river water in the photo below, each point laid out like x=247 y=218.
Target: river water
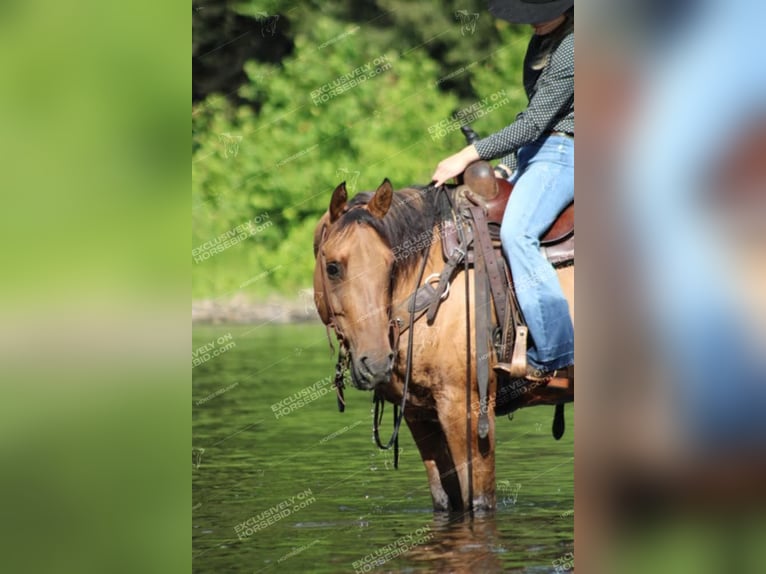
x=283 y=482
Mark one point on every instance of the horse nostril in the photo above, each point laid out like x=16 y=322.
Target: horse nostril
x=373 y=367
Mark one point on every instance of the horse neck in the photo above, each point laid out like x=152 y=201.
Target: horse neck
x=406 y=282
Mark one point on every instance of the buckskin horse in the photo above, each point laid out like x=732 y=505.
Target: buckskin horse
x=396 y=279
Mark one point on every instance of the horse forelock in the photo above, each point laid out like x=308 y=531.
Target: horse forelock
x=406 y=228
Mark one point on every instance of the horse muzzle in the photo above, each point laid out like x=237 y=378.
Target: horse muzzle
x=368 y=371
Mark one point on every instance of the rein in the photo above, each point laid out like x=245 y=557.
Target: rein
x=378 y=399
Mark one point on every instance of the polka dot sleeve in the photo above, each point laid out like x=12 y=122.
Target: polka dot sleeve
x=550 y=108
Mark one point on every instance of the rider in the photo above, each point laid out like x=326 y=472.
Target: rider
x=537 y=152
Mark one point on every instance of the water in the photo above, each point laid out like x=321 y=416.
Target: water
x=335 y=497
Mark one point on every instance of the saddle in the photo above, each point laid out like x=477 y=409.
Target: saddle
x=480 y=183
x=471 y=237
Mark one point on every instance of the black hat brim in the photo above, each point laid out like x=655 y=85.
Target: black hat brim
x=529 y=11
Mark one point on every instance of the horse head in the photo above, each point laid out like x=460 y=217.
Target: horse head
x=352 y=281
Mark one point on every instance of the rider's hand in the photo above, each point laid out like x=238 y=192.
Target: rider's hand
x=454 y=164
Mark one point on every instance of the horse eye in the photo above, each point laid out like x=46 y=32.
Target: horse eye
x=333 y=270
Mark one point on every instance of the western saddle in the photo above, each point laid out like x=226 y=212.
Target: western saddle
x=492 y=193
x=471 y=238
x=484 y=199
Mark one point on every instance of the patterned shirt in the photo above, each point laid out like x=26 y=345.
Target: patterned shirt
x=551 y=102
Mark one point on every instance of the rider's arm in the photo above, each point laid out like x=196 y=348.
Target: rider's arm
x=554 y=94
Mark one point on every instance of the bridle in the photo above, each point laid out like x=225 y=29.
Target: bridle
x=341 y=367
x=343 y=352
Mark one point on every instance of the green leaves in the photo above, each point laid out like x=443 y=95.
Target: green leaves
x=354 y=101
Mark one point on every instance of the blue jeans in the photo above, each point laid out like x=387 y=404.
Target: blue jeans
x=544 y=186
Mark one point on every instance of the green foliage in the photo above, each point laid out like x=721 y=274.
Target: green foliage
x=501 y=70
x=275 y=155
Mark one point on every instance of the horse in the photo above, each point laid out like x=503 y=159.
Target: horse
x=371 y=253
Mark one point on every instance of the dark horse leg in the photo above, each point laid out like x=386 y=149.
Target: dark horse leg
x=452 y=415
x=441 y=440
x=432 y=444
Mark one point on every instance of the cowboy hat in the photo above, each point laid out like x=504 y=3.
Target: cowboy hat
x=529 y=11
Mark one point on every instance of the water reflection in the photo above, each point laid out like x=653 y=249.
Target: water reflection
x=461 y=543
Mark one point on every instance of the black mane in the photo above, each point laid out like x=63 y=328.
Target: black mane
x=407 y=228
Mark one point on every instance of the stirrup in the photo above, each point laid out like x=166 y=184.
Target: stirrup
x=519 y=358
x=517 y=368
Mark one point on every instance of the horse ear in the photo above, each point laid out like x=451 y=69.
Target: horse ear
x=381 y=201
x=338 y=202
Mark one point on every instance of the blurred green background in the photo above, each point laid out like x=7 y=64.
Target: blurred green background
x=94 y=337
x=265 y=150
